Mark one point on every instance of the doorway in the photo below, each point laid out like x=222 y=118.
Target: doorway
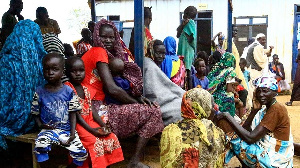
x=296 y=38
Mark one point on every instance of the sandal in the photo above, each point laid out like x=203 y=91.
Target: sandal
x=289 y=103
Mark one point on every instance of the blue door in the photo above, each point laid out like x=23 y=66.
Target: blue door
x=296 y=39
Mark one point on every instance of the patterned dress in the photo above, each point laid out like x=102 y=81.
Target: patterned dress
x=103 y=151
x=20 y=74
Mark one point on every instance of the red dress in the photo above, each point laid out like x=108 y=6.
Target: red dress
x=103 y=151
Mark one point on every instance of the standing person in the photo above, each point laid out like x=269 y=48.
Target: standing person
x=296 y=86
x=257 y=59
x=69 y=52
x=245 y=51
x=91 y=25
x=20 y=74
x=265 y=139
x=200 y=78
x=85 y=43
x=194 y=141
x=186 y=32
x=147 y=35
x=246 y=73
x=176 y=68
x=46 y=24
x=103 y=146
x=54 y=108
x=134 y=115
x=219 y=46
x=9 y=18
x=236 y=54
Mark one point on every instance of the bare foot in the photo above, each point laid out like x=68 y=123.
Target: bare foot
x=137 y=165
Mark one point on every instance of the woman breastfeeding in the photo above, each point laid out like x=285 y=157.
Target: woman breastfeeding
x=133 y=115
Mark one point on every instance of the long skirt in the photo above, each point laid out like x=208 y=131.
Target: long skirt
x=128 y=119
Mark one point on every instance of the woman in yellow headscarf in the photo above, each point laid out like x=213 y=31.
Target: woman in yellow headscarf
x=195 y=141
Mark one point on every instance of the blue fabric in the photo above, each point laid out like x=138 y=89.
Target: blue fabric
x=20 y=74
x=166 y=66
x=247 y=77
x=122 y=83
x=170 y=44
x=53 y=107
x=203 y=83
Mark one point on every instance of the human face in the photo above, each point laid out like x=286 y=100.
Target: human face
x=275 y=59
x=231 y=87
x=220 y=40
x=147 y=21
x=107 y=37
x=234 y=31
x=18 y=7
x=87 y=35
x=53 y=70
x=201 y=68
x=265 y=95
x=242 y=66
x=77 y=72
x=159 y=54
x=262 y=41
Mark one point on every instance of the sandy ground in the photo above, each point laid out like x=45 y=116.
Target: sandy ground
x=152 y=151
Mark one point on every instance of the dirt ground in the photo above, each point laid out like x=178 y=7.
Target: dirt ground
x=152 y=152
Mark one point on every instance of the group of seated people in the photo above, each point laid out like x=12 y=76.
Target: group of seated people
x=105 y=98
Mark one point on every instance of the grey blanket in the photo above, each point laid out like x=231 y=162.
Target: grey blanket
x=159 y=88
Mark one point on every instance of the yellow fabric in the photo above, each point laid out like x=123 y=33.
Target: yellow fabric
x=199 y=111
x=238 y=71
x=170 y=146
x=175 y=67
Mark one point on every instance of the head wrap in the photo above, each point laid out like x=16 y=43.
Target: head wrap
x=196 y=104
x=259 y=35
x=267 y=82
x=52 y=44
x=118 y=50
x=170 y=44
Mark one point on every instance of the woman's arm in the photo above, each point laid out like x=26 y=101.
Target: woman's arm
x=247 y=136
x=110 y=87
x=94 y=131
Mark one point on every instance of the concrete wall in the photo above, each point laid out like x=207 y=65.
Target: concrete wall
x=165 y=19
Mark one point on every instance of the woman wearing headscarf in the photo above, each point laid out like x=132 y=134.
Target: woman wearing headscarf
x=221 y=74
x=172 y=66
x=20 y=74
x=134 y=115
x=195 y=141
x=265 y=139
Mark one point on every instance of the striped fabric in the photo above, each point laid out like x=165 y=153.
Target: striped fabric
x=52 y=44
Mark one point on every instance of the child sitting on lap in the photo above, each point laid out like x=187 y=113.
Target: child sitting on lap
x=103 y=146
x=54 y=108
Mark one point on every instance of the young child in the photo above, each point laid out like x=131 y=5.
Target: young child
x=243 y=64
x=231 y=88
x=199 y=78
x=103 y=146
x=116 y=67
x=186 y=32
x=54 y=108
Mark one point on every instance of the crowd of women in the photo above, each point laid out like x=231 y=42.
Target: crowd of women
x=199 y=113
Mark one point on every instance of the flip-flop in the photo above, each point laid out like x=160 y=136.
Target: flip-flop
x=288 y=103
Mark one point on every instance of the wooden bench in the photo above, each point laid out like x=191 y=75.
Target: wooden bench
x=27 y=138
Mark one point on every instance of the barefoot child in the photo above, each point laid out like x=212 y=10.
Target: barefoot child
x=54 y=108
x=186 y=32
x=103 y=146
x=199 y=78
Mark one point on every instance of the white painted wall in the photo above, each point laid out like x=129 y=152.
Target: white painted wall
x=165 y=19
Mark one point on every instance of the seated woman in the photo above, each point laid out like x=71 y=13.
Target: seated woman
x=134 y=115
x=277 y=70
x=265 y=139
x=219 y=77
x=195 y=141
x=174 y=66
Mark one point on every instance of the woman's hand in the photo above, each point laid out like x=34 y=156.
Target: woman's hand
x=144 y=100
x=221 y=115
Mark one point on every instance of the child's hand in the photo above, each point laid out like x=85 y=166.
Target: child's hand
x=47 y=126
x=185 y=21
x=67 y=143
x=101 y=131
